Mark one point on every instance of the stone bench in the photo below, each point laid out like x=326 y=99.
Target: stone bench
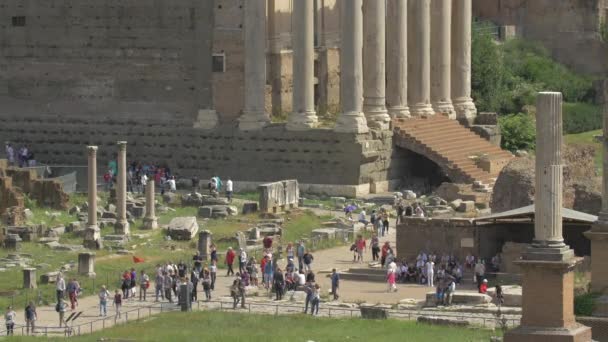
x=462 y=298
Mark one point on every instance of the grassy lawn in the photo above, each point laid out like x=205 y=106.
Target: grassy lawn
x=220 y=326
x=588 y=139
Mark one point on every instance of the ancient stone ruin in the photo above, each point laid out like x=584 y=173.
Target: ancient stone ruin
x=279 y=196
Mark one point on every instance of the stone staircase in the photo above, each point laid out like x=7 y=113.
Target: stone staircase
x=453 y=147
x=364 y=274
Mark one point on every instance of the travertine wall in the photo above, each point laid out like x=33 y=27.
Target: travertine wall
x=568 y=28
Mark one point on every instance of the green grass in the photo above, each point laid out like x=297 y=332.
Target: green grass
x=223 y=326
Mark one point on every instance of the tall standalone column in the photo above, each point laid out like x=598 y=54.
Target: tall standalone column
x=419 y=59
x=441 y=57
x=547 y=266
x=351 y=120
x=374 y=66
x=254 y=115
x=303 y=116
x=462 y=16
x=150 y=221
x=122 y=225
x=92 y=236
x=396 y=59
x=599 y=231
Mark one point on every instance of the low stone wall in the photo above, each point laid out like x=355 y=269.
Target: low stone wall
x=598 y=325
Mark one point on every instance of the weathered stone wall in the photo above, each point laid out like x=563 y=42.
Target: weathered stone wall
x=279 y=196
x=138 y=58
x=568 y=28
x=317 y=157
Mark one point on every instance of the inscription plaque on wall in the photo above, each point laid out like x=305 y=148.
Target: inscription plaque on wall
x=467 y=243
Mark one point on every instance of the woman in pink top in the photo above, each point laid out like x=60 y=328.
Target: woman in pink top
x=391 y=279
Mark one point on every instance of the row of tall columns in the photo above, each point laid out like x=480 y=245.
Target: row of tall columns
x=434 y=73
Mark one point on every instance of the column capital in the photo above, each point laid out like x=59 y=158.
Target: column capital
x=122 y=145
x=92 y=149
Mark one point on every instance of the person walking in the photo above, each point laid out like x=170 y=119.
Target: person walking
x=335 y=283
x=9 y=319
x=103 y=295
x=279 y=283
x=213 y=273
x=242 y=260
x=117 y=302
x=30 y=318
x=361 y=247
x=375 y=243
x=61 y=308
x=167 y=286
x=60 y=287
x=229 y=190
x=480 y=271
x=308 y=259
x=207 y=284
x=194 y=281
x=391 y=280
x=430 y=273
x=316 y=300
x=268 y=271
x=158 y=285
x=73 y=290
x=229 y=260
x=300 y=250
x=309 y=289
x=234 y=293
x=144 y=284
x=385 y=223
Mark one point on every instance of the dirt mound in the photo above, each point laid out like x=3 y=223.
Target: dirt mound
x=514 y=186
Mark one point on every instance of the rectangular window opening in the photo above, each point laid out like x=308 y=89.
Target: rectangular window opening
x=18 y=21
x=219 y=62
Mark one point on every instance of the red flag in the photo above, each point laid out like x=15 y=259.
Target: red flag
x=138 y=260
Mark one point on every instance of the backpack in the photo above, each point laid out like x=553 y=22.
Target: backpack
x=58 y=307
x=353 y=247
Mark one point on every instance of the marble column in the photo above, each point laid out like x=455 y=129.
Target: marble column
x=254 y=115
x=549 y=171
x=352 y=119
x=462 y=16
x=122 y=225
x=599 y=231
x=92 y=236
x=419 y=58
x=548 y=265
x=304 y=115
x=396 y=59
x=374 y=64
x=441 y=57
x=150 y=221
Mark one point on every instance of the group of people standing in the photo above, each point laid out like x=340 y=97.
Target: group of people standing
x=23 y=157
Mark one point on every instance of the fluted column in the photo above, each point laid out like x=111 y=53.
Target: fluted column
x=351 y=120
x=419 y=59
x=92 y=234
x=374 y=66
x=396 y=59
x=122 y=225
x=441 y=57
x=254 y=115
x=549 y=171
x=304 y=115
x=462 y=13
x=150 y=221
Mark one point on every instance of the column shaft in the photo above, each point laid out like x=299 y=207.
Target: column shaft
x=604 y=213
x=462 y=16
x=254 y=112
x=122 y=225
x=374 y=66
x=92 y=186
x=303 y=116
x=351 y=120
x=419 y=59
x=441 y=57
x=396 y=59
x=150 y=221
x=549 y=170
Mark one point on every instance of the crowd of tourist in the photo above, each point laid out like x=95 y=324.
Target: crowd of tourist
x=22 y=157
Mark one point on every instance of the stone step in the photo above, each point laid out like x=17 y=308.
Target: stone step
x=380 y=278
x=369 y=270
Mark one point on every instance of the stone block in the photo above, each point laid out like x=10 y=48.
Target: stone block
x=250 y=207
x=49 y=278
x=464 y=298
x=138 y=211
x=60 y=230
x=409 y=195
x=466 y=206
x=73 y=226
x=171 y=198
x=205 y=212
x=279 y=196
x=109 y=215
x=442 y=321
x=371 y=312
x=182 y=228
x=325 y=233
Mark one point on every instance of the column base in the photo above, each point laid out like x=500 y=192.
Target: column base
x=421 y=109
x=302 y=121
x=206 y=119
x=465 y=109
x=445 y=108
x=122 y=228
x=402 y=112
x=550 y=254
x=351 y=123
x=150 y=223
x=93 y=244
x=577 y=333
x=253 y=121
x=376 y=115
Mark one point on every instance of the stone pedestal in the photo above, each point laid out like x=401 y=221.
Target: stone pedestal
x=12 y=242
x=86 y=264
x=548 y=304
x=150 y=221
x=352 y=119
x=122 y=225
x=204 y=244
x=29 y=278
